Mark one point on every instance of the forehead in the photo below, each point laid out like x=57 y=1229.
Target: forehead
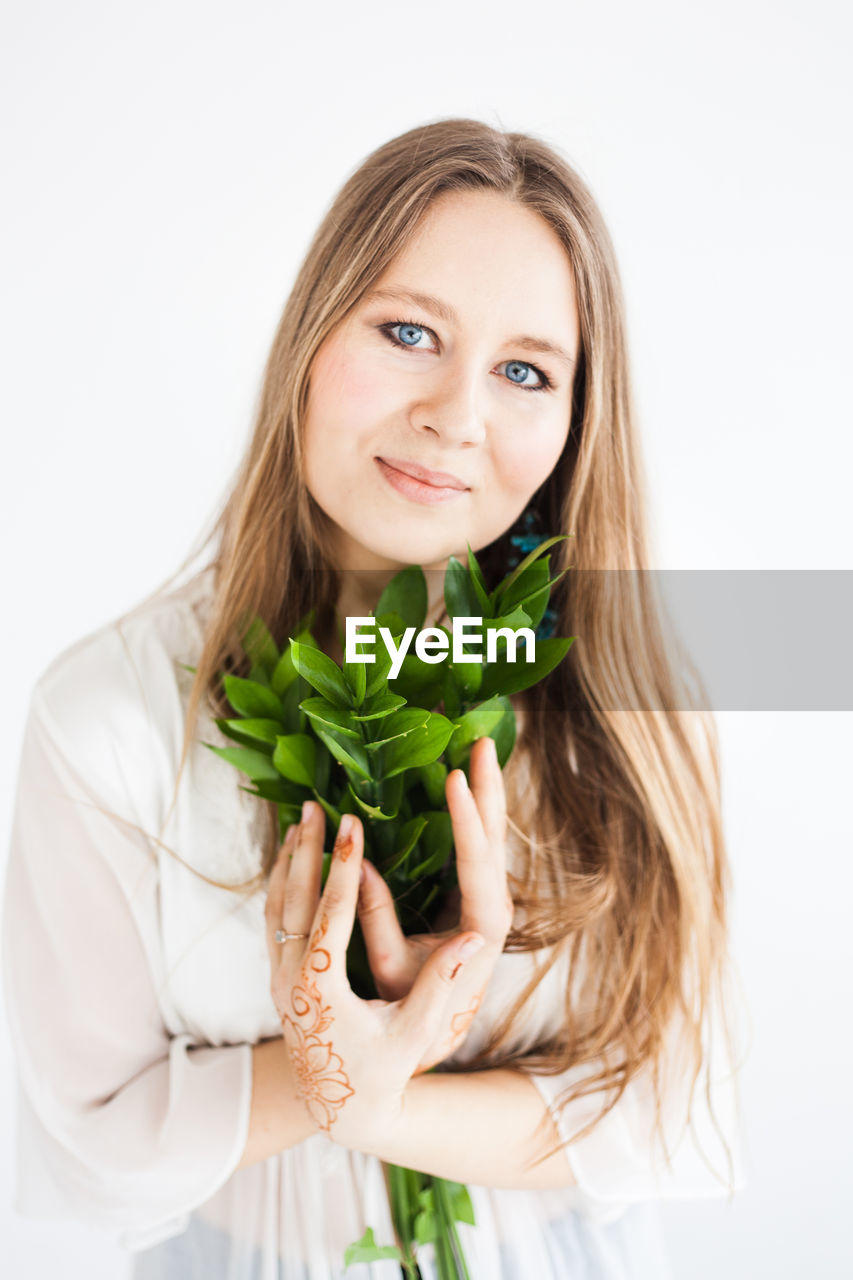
x=492 y=258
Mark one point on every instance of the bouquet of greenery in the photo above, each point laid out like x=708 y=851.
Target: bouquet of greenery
x=359 y=739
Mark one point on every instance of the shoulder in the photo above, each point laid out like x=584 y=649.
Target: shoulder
x=114 y=699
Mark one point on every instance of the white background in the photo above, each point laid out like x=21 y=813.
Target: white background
x=165 y=165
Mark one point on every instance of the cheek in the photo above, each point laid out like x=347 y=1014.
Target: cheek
x=528 y=459
x=349 y=398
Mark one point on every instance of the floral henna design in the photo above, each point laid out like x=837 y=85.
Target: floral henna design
x=460 y=1022
x=322 y=1082
x=459 y=1025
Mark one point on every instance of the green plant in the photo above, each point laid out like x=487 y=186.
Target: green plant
x=358 y=741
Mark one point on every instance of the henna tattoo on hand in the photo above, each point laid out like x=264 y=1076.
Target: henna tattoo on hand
x=460 y=1022
x=459 y=1025
x=343 y=846
x=322 y=1083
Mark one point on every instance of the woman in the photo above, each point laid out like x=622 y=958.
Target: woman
x=450 y=364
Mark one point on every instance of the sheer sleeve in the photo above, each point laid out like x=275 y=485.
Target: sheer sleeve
x=122 y=1124
x=623 y=1159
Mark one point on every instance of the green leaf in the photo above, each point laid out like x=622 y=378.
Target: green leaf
x=436 y=841
x=392 y=622
x=248 y=698
x=258 y=766
x=380 y=704
x=284 y=674
x=408 y=837
x=328 y=808
x=502 y=587
x=321 y=711
x=322 y=768
x=389 y=793
x=460 y=1202
x=419 y=683
x=259 y=675
x=294 y=757
x=450 y=696
x=421 y=747
x=399 y=725
x=251 y=732
x=187 y=667
x=377 y=676
x=532 y=590
x=460 y=595
x=367 y=1250
x=289 y=815
x=432 y=778
x=504 y=732
x=406 y=595
x=479 y=583
x=352 y=756
x=322 y=673
x=467 y=677
x=260 y=646
x=507 y=678
x=515 y=619
x=531 y=580
x=355 y=674
x=426 y=1221
x=535 y=605
x=372 y=810
x=476 y=723
x=281 y=792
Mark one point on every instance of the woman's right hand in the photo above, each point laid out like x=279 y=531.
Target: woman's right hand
x=478 y=817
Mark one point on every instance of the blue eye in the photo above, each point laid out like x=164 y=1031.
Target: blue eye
x=411 y=332
x=522 y=368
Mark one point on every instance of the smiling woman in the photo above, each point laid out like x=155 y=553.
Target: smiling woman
x=450 y=367
x=392 y=399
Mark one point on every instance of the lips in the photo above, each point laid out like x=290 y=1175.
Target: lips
x=438 y=479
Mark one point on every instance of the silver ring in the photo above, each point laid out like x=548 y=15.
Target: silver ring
x=281 y=936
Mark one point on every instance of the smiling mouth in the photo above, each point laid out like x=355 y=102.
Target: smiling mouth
x=438 y=479
x=425 y=491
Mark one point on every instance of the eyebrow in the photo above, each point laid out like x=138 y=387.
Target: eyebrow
x=445 y=312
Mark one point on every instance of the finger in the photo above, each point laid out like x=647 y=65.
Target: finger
x=479 y=870
x=387 y=952
x=302 y=887
x=487 y=788
x=275 y=894
x=336 y=912
x=422 y=1012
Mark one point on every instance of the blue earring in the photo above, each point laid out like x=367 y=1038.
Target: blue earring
x=530 y=537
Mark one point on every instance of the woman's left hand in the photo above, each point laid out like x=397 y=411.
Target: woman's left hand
x=352 y=1058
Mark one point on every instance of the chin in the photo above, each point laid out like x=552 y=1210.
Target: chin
x=415 y=547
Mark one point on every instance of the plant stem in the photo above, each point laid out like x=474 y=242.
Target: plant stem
x=403 y=1207
x=442 y=1198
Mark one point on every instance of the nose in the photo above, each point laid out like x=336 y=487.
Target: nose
x=454 y=406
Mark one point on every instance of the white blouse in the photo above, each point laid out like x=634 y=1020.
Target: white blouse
x=135 y=991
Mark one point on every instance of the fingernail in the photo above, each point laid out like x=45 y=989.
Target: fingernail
x=470 y=947
x=464 y=779
x=346 y=826
x=307 y=810
x=291 y=834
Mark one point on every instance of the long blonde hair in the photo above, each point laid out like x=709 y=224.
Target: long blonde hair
x=626 y=865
